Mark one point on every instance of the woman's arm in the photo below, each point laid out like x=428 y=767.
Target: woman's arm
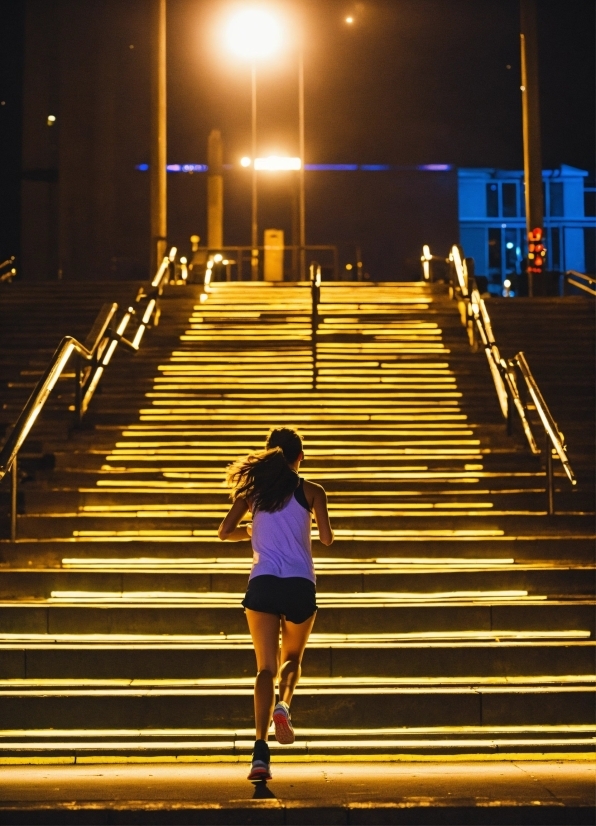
x=229 y=529
x=317 y=498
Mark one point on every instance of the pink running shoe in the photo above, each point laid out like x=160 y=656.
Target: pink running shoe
x=259 y=770
x=284 y=733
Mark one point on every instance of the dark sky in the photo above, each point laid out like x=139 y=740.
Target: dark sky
x=411 y=81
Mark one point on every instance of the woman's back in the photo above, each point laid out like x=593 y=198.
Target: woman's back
x=281 y=539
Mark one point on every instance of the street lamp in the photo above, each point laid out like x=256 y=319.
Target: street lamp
x=254 y=34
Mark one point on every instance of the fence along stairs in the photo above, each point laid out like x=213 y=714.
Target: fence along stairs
x=455 y=617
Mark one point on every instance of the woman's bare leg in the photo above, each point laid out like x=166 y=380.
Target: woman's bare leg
x=264 y=630
x=294 y=637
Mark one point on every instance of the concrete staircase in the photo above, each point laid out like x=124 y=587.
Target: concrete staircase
x=455 y=618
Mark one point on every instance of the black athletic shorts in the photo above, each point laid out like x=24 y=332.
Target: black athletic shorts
x=292 y=597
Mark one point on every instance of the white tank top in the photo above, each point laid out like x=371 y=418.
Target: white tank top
x=281 y=541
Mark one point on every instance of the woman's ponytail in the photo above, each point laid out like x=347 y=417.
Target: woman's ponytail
x=266 y=478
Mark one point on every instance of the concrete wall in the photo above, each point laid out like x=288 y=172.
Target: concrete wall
x=85 y=213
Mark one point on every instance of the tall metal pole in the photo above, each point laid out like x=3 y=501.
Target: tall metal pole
x=254 y=235
x=157 y=169
x=214 y=191
x=301 y=195
x=531 y=129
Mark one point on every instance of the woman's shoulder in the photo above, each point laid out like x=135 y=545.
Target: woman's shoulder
x=312 y=489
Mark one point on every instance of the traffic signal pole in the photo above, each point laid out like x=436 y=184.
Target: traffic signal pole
x=534 y=198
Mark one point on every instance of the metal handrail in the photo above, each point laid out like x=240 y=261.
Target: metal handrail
x=571 y=277
x=97 y=350
x=549 y=424
x=10 y=266
x=503 y=372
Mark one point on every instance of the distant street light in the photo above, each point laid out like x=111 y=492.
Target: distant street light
x=253 y=34
x=275 y=163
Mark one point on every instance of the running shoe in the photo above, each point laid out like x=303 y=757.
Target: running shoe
x=259 y=770
x=284 y=733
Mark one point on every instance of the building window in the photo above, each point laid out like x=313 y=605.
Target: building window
x=509 y=193
x=556 y=209
x=492 y=200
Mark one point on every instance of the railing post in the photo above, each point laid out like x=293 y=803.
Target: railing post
x=78 y=405
x=315 y=287
x=14 y=481
x=550 y=476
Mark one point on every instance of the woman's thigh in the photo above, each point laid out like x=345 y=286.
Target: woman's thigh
x=264 y=630
x=294 y=637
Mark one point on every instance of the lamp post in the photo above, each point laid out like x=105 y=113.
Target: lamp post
x=301 y=193
x=254 y=34
x=254 y=227
x=532 y=149
x=157 y=168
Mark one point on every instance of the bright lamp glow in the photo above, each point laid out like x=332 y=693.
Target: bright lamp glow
x=253 y=33
x=276 y=163
x=245 y=161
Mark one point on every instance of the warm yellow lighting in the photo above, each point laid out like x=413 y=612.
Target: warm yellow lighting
x=253 y=33
x=348 y=267
x=277 y=163
x=51 y=120
x=245 y=161
x=349 y=19
x=218 y=258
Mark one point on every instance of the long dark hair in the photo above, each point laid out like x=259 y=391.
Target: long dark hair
x=265 y=478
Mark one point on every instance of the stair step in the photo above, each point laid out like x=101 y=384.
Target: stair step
x=346 y=614
x=334 y=703
x=412 y=580
x=90 y=745
x=451 y=657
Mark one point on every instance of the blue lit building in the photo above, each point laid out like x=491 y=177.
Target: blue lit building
x=492 y=221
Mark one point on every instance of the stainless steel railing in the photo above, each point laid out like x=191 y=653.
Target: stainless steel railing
x=8 y=269
x=586 y=283
x=93 y=356
x=505 y=373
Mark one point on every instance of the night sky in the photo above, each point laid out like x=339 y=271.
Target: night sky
x=410 y=82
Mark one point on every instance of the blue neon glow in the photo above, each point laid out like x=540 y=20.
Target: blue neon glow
x=331 y=167
x=315 y=167
x=187 y=167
